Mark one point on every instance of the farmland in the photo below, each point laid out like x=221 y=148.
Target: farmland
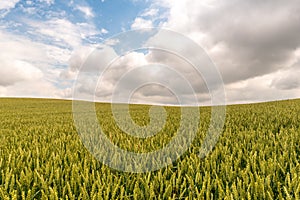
x=257 y=155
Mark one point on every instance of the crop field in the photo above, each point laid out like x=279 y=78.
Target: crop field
x=256 y=157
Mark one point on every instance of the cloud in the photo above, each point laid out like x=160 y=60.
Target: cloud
x=32 y=62
x=287 y=79
x=103 y=31
x=48 y=2
x=252 y=38
x=8 y=4
x=61 y=31
x=105 y=74
x=34 y=88
x=14 y=71
x=76 y=60
x=150 y=12
x=259 y=89
x=253 y=44
x=140 y=23
x=87 y=11
x=16 y=47
x=245 y=39
x=28 y=67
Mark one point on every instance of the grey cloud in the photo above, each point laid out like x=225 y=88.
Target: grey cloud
x=154 y=90
x=92 y=59
x=129 y=72
x=260 y=36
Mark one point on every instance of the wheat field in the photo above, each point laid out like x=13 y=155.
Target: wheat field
x=42 y=157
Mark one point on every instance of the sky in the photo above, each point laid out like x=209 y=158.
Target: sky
x=254 y=45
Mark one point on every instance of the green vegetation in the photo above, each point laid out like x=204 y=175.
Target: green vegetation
x=256 y=157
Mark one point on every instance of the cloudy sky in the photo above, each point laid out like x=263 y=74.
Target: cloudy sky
x=44 y=44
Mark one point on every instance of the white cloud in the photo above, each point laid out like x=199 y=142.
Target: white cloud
x=140 y=23
x=26 y=66
x=13 y=71
x=150 y=12
x=8 y=4
x=63 y=32
x=29 y=2
x=33 y=88
x=87 y=11
x=48 y=2
x=34 y=67
x=3 y=91
x=103 y=31
x=259 y=89
x=16 y=47
x=87 y=29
